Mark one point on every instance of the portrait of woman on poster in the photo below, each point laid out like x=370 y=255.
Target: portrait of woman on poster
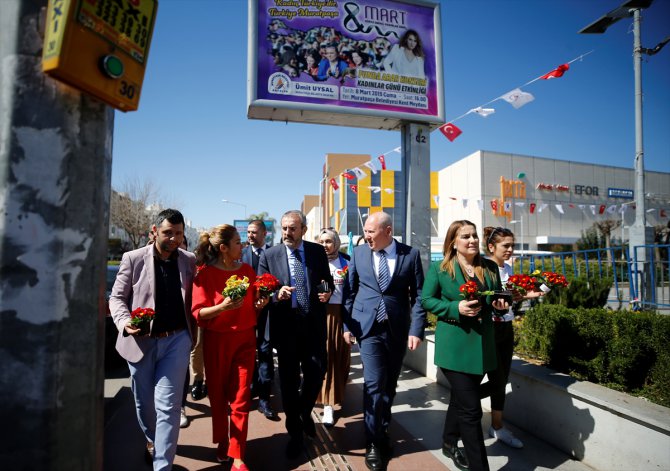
x=406 y=57
x=312 y=60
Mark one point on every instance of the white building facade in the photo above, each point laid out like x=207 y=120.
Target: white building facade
x=544 y=201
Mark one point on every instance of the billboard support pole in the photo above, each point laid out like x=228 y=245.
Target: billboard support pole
x=415 y=156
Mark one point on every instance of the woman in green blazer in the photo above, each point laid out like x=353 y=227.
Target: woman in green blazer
x=464 y=343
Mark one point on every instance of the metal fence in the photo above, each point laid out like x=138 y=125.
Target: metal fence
x=642 y=280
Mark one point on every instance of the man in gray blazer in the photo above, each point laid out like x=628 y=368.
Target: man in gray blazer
x=158 y=276
x=383 y=311
x=298 y=323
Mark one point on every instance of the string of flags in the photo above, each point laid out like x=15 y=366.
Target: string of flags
x=598 y=209
x=357 y=172
x=497 y=206
x=517 y=98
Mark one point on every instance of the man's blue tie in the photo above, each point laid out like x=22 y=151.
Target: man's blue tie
x=383 y=277
x=300 y=283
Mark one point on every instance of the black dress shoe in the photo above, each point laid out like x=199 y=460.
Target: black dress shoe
x=265 y=408
x=373 y=458
x=308 y=426
x=294 y=448
x=457 y=456
x=199 y=390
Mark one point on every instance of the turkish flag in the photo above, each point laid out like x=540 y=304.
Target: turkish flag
x=494 y=205
x=382 y=161
x=354 y=188
x=334 y=183
x=348 y=176
x=557 y=72
x=450 y=131
x=532 y=207
x=601 y=210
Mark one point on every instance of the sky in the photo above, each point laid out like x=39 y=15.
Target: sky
x=191 y=136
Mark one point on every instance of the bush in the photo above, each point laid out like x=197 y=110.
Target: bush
x=582 y=292
x=623 y=350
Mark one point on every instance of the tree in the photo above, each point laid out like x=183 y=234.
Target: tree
x=605 y=228
x=589 y=239
x=134 y=207
x=263 y=216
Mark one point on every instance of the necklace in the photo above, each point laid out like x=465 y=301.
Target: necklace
x=470 y=270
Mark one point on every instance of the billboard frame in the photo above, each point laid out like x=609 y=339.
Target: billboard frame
x=299 y=112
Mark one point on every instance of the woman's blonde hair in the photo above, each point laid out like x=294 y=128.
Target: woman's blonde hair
x=449 y=251
x=207 y=251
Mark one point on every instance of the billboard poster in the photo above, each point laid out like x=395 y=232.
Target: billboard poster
x=242 y=224
x=380 y=57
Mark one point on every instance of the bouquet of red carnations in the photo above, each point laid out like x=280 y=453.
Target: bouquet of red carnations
x=266 y=284
x=141 y=318
x=236 y=288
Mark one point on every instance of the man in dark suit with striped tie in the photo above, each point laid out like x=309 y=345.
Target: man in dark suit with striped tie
x=298 y=323
x=264 y=371
x=383 y=311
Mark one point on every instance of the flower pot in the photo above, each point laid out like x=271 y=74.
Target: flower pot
x=144 y=329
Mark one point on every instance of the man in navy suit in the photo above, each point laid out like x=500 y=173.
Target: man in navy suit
x=264 y=371
x=383 y=311
x=298 y=323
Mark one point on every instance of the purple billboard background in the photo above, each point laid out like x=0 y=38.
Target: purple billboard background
x=288 y=28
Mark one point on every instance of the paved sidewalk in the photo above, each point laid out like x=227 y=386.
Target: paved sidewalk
x=418 y=416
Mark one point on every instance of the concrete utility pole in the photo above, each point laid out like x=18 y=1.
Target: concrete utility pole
x=416 y=172
x=55 y=175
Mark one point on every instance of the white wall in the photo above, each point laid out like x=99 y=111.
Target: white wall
x=477 y=177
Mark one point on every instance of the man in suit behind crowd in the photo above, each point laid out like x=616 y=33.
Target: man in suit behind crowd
x=264 y=371
x=383 y=311
x=158 y=276
x=298 y=323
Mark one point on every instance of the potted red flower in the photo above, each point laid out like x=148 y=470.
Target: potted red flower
x=548 y=280
x=521 y=283
x=266 y=284
x=141 y=319
x=470 y=291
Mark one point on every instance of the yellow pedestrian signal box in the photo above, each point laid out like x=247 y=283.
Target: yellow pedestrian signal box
x=100 y=47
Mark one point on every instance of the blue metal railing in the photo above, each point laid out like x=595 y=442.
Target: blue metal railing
x=627 y=272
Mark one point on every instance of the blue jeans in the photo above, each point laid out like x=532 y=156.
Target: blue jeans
x=158 y=383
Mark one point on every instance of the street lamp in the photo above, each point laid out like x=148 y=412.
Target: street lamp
x=639 y=235
x=238 y=204
x=520 y=221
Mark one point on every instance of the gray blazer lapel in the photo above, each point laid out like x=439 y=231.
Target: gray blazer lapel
x=151 y=270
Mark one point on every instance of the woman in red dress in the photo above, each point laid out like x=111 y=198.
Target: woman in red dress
x=229 y=339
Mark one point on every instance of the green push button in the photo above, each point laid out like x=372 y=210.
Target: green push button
x=112 y=66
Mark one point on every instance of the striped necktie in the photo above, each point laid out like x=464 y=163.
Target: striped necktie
x=383 y=277
x=300 y=283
